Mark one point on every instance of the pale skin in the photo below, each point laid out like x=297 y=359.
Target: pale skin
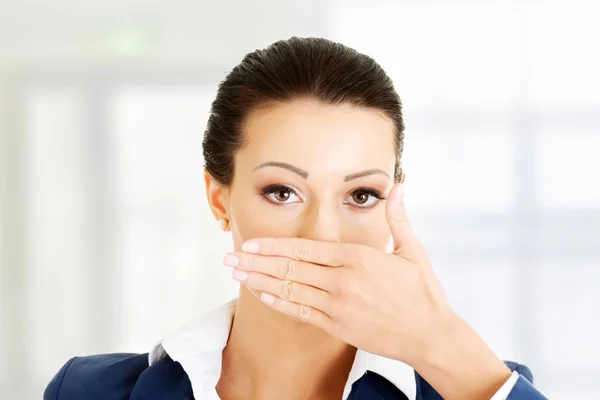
x=317 y=282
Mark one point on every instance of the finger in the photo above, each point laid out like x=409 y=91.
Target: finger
x=288 y=290
x=313 y=251
x=285 y=268
x=301 y=312
x=397 y=217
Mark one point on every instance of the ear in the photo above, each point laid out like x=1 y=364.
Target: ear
x=216 y=195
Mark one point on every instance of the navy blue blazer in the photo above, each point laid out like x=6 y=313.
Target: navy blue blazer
x=127 y=376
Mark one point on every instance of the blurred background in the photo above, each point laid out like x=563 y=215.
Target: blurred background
x=106 y=241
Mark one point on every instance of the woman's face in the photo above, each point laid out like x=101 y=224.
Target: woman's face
x=313 y=171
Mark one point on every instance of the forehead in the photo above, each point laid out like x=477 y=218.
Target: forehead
x=318 y=136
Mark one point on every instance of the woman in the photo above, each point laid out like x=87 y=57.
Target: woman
x=303 y=165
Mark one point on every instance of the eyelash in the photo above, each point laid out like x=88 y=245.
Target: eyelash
x=271 y=189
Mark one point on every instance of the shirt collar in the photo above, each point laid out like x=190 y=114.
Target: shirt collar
x=198 y=347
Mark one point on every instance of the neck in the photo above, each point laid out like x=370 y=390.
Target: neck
x=272 y=356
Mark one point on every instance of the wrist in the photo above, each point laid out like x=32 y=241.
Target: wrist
x=458 y=363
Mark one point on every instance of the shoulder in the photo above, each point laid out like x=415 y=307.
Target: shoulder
x=101 y=376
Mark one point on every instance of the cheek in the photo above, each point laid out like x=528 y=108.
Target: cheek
x=252 y=217
x=369 y=229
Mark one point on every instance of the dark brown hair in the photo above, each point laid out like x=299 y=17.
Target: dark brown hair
x=312 y=68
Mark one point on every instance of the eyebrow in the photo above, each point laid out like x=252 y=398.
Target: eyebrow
x=287 y=166
x=304 y=174
x=365 y=173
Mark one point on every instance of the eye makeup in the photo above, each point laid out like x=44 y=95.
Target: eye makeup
x=278 y=194
x=361 y=198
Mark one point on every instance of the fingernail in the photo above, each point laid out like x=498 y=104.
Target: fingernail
x=250 y=247
x=238 y=275
x=231 y=261
x=267 y=298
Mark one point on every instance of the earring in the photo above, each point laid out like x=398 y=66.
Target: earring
x=222 y=224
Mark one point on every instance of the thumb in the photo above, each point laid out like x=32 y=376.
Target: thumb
x=395 y=213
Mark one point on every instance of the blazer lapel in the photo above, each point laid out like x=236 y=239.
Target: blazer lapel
x=372 y=386
x=424 y=389
x=165 y=379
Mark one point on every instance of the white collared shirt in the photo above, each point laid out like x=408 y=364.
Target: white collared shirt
x=198 y=347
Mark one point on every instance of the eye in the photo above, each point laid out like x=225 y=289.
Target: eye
x=365 y=197
x=280 y=194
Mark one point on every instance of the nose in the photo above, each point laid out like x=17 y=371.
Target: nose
x=320 y=223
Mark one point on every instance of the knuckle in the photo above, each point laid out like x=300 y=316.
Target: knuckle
x=288 y=290
x=286 y=267
x=301 y=251
x=304 y=312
